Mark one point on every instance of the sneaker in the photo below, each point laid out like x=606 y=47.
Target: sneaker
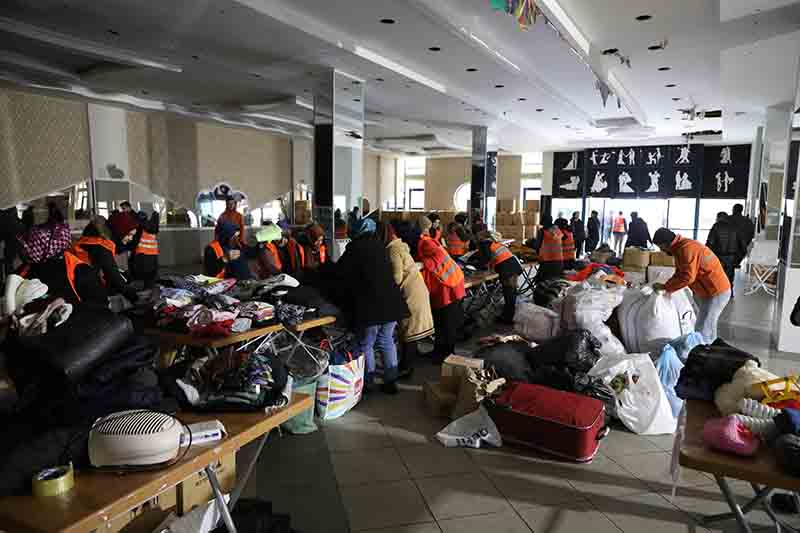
x=389 y=388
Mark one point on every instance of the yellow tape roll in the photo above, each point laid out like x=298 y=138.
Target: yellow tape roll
x=53 y=481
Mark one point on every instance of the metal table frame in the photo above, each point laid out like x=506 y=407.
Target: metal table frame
x=739 y=512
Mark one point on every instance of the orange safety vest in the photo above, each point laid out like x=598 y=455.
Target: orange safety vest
x=500 y=253
x=446 y=270
x=455 y=246
x=81 y=253
x=276 y=257
x=71 y=262
x=148 y=244
x=298 y=253
x=568 y=247
x=551 y=248
x=217 y=247
x=619 y=225
x=322 y=254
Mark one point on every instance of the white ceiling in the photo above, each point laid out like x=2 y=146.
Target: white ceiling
x=722 y=54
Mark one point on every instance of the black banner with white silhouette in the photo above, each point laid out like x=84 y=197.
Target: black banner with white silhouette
x=726 y=171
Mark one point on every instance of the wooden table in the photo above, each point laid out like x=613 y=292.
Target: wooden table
x=185 y=339
x=101 y=496
x=761 y=471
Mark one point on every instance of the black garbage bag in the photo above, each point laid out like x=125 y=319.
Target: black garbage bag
x=256 y=516
x=708 y=367
x=577 y=351
x=311 y=297
x=510 y=360
x=787 y=453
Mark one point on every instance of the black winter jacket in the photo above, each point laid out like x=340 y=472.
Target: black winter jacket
x=638 y=233
x=593 y=229
x=726 y=242
x=578 y=230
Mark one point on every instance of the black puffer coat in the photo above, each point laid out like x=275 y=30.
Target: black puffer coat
x=638 y=233
x=727 y=242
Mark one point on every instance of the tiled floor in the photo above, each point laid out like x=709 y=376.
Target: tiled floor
x=379 y=469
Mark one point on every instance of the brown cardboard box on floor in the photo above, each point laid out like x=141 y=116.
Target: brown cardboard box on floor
x=466 y=402
x=440 y=402
x=507 y=205
x=661 y=259
x=636 y=258
x=454 y=368
x=143 y=518
x=196 y=490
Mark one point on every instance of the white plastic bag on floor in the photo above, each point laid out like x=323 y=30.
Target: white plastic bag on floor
x=642 y=404
x=471 y=431
x=648 y=320
x=536 y=323
x=587 y=304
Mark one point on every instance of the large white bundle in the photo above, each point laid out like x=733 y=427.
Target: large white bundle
x=536 y=323
x=588 y=304
x=649 y=319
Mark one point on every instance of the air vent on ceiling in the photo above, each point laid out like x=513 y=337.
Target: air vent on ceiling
x=704 y=135
x=623 y=122
x=440 y=149
x=715 y=113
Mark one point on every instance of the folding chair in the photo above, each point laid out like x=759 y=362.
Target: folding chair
x=529 y=272
x=759 y=279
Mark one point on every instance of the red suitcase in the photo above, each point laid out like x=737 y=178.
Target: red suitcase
x=561 y=423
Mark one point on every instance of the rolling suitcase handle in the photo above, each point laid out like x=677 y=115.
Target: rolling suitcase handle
x=603 y=433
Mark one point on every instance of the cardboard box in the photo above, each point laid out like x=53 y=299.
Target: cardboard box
x=196 y=490
x=532 y=205
x=502 y=219
x=465 y=403
x=454 y=368
x=661 y=259
x=507 y=205
x=659 y=274
x=638 y=269
x=531 y=218
x=634 y=257
x=635 y=277
x=517 y=219
x=440 y=402
x=145 y=517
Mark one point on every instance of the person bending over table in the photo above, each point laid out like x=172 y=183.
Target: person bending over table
x=406 y=275
x=223 y=257
x=548 y=246
x=499 y=258
x=315 y=252
x=278 y=252
x=698 y=268
x=96 y=247
x=445 y=282
x=367 y=293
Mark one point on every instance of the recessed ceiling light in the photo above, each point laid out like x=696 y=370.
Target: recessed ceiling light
x=522 y=99
x=472 y=69
x=195 y=57
x=667 y=118
x=610 y=51
x=112 y=32
x=356 y=99
x=664 y=69
x=539 y=110
x=642 y=18
x=435 y=48
x=499 y=86
x=388 y=21
x=356 y=82
x=676 y=98
x=379 y=80
x=670 y=85
x=555 y=118
x=654 y=47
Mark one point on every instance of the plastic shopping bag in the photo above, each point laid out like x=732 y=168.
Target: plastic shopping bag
x=339 y=389
x=471 y=431
x=642 y=404
x=649 y=320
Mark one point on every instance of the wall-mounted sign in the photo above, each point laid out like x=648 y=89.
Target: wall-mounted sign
x=726 y=171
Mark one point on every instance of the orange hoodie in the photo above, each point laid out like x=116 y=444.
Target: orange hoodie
x=697 y=268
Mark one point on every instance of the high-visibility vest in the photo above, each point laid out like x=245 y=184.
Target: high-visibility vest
x=276 y=256
x=81 y=253
x=297 y=255
x=568 y=246
x=148 y=244
x=455 y=246
x=323 y=252
x=71 y=262
x=217 y=247
x=551 y=248
x=499 y=253
x=446 y=270
x=619 y=225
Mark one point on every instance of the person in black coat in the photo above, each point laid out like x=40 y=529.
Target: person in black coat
x=366 y=291
x=728 y=244
x=638 y=232
x=592 y=232
x=744 y=226
x=578 y=233
x=97 y=241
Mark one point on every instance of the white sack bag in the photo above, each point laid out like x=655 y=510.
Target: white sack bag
x=648 y=319
x=536 y=323
x=642 y=405
x=471 y=431
x=586 y=304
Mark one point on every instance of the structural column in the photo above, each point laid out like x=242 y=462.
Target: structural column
x=479 y=192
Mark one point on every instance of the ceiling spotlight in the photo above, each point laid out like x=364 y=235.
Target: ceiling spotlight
x=670 y=85
x=435 y=48
x=499 y=86
x=356 y=99
x=642 y=18
x=659 y=45
x=676 y=98
x=472 y=69
x=356 y=82
x=539 y=110
x=610 y=51
x=388 y=21
x=522 y=99
x=667 y=118
x=555 y=118
x=664 y=69
x=379 y=80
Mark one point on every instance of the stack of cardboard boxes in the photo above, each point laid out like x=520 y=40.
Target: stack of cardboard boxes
x=453 y=396
x=634 y=263
x=514 y=223
x=302 y=212
x=662 y=267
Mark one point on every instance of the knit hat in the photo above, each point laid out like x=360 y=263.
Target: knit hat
x=363 y=226
x=269 y=233
x=663 y=237
x=314 y=232
x=424 y=224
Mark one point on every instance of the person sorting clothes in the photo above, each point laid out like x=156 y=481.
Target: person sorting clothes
x=698 y=268
x=223 y=257
x=548 y=246
x=96 y=247
x=278 y=252
x=499 y=258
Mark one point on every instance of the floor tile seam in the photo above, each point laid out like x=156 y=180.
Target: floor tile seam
x=387 y=528
x=501 y=493
x=336 y=485
x=699 y=527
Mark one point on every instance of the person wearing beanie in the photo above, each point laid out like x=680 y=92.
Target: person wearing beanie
x=97 y=248
x=223 y=258
x=549 y=247
x=698 y=268
x=496 y=256
x=314 y=249
x=366 y=292
x=278 y=252
x=445 y=282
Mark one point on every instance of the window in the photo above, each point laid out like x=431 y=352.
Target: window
x=530 y=189
x=532 y=163
x=708 y=214
x=415 y=166
x=416 y=199
x=681 y=216
x=461 y=197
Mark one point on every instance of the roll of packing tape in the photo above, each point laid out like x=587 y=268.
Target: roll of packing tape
x=53 y=481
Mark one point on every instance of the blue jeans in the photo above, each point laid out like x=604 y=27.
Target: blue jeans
x=381 y=337
x=708 y=313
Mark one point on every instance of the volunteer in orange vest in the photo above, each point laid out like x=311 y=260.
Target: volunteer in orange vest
x=143 y=244
x=445 y=282
x=45 y=251
x=233 y=216
x=698 y=268
x=436 y=228
x=97 y=248
x=499 y=258
x=315 y=252
x=278 y=252
x=619 y=228
x=457 y=240
x=223 y=257
x=567 y=243
x=550 y=250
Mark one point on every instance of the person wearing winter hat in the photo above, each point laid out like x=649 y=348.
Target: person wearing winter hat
x=223 y=258
x=314 y=249
x=97 y=248
x=698 y=268
x=368 y=295
x=496 y=256
x=278 y=252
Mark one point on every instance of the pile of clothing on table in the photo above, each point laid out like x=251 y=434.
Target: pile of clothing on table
x=67 y=375
x=626 y=346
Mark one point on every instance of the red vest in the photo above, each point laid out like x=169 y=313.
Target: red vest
x=619 y=225
x=71 y=262
x=568 y=247
x=455 y=246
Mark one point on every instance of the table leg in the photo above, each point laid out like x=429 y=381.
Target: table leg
x=237 y=491
x=737 y=510
x=220 y=499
